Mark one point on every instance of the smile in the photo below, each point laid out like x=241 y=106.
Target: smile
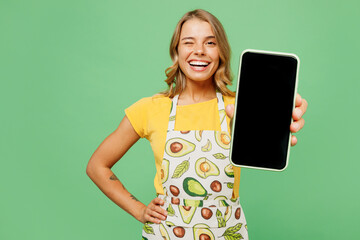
x=198 y=65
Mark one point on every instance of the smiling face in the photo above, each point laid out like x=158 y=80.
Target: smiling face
x=198 y=53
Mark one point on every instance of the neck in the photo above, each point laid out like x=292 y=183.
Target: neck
x=196 y=92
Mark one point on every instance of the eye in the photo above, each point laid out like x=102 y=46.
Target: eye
x=210 y=43
x=187 y=43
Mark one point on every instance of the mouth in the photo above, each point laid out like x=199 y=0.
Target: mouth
x=198 y=65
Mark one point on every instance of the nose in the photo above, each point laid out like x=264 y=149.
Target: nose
x=199 y=49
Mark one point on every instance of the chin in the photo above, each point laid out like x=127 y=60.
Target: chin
x=198 y=80
x=200 y=77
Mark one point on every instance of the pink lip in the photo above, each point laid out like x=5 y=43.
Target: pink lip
x=198 y=60
x=198 y=69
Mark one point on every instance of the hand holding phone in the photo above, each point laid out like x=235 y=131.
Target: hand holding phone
x=264 y=76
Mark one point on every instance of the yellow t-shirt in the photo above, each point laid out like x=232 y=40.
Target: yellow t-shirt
x=149 y=117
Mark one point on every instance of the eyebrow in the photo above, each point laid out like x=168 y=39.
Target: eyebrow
x=185 y=38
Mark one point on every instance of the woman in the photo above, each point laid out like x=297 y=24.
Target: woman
x=196 y=185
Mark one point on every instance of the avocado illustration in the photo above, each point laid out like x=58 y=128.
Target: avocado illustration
x=198 y=135
x=163 y=232
x=222 y=201
x=164 y=170
x=222 y=114
x=230 y=185
x=222 y=139
x=187 y=213
x=169 y=224
x=238 y=213
x=202 y=231
x=170 y=210
x=178 y=147
x=205 y=168
x=229 y=171
x=206 y=147
x=227 y=214
x=193 y=187
x=165 y=191
x=144 y=238
x=194 y=203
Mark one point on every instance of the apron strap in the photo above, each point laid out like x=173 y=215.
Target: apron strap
x=221 y=111
x=172 y=116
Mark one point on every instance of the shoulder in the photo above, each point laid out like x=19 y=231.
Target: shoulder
x=147 y=111
x=156 y=100
x=149 y=106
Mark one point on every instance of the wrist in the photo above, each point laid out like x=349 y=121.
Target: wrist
x=140 y=216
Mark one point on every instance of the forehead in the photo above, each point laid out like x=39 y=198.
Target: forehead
x=196 y=28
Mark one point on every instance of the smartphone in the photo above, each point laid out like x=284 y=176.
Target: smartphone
x=265 y=100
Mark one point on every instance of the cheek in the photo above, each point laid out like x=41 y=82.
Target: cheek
x=216 y=61
x=182 y=62
x=183 y=55
x=214 y=55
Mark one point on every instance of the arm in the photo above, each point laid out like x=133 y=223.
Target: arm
x=99 y=170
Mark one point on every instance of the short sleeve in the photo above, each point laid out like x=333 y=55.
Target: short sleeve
x=229 y=100
x=137 y=115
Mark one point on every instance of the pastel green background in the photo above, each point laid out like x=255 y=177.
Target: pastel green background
x=68 y=69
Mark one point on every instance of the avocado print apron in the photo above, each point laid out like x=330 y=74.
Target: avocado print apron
x=198 y=180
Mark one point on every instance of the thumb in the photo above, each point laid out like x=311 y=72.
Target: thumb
x=230 y=110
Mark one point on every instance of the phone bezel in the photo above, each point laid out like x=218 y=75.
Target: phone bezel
x=236 y=99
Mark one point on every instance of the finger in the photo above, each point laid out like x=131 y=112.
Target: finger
x=304 y=106
x=158 y=209
x=300 y=110
x=297 y=125
x=156 y=214
x=293 y=141
x=154 y=206
x=230 y=110
x=298 y=100
x=161 y=211
x=158 y=201
x=297 y=113
x=149 y=218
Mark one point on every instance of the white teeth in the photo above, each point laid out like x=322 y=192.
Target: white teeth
x=198 y=63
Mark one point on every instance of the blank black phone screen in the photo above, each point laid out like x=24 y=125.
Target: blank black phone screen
x=263 y=110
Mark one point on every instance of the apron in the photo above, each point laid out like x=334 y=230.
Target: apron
x=198 y=180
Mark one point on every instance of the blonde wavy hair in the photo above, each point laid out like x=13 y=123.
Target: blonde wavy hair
x=176 y=79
